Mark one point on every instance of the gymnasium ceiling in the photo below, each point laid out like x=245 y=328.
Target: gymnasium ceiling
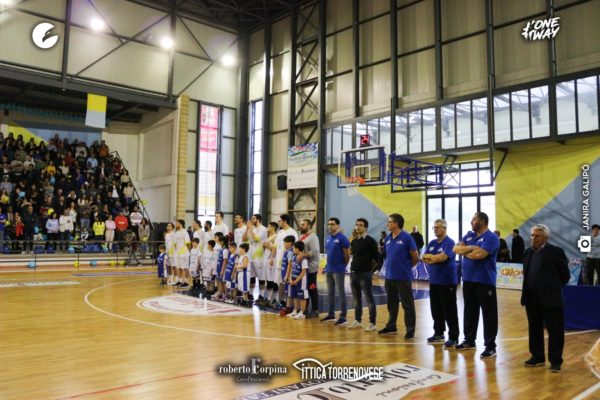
x=234 y=15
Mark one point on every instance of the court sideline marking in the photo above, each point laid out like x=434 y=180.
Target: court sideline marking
x=90 y=304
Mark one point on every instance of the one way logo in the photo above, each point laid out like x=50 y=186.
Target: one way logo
x=539 y=29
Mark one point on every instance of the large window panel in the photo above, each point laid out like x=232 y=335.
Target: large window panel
x=385 y=135
x=587 y=104
x=336 y=144
x=502 y=118
x=463 y=124
x=540 y=113
x=565 y=108
x=207 y=161
x=520 y=114
x=448 y=125
x=429 y=130
x=401 y=134
x=256 y=156
x=480 y=121
x=414 y=130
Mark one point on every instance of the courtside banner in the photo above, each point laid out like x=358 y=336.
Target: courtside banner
x=509 y=275
x=303 y=166
x=399 y=380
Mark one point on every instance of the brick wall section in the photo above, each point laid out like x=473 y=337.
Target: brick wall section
x=182 y=135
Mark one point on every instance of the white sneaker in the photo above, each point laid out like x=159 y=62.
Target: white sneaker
x=354 y=325
x=370 y=327
x=300 y=315
x=293 y=314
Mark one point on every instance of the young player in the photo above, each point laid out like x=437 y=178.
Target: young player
x=255 y=235
x=170 y=250
x=162 y=264
x=242 y=266
x=286 y=266
x=229 y=274
x=298 y=287
x=195 y=265
x=208 y=265
x=222 y=256
x=269 y=265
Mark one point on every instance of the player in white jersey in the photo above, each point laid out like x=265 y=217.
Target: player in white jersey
x=198 y=233
x=209 y=260
x=208 y=234
x=284 y=231
x=170 y=250
x=256 y=234
x=220 y=226
x=195 y=260
x=240 y=229
x=269 y=264
x=242 y=267
x=182 y=253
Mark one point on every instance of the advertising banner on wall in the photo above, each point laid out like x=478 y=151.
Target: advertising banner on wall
x=509 y=275
x=303 y=166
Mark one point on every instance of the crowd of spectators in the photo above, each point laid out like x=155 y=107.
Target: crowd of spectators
x=62 y=191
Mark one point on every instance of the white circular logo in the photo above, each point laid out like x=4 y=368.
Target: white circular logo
x=41 y=35
x=187 y=305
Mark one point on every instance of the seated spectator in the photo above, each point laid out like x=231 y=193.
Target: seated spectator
x=81 y=149
x=51 y=169
x=6 y=184
x=64 y=168
x=29 y=162
x=92 y=162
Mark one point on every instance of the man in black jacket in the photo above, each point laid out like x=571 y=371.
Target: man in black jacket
x=517 y=248
x=364 y=259
x=545 y=271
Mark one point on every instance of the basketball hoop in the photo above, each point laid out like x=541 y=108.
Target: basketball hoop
x=352 y=184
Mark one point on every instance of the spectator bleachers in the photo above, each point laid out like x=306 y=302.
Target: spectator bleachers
x=56 y=193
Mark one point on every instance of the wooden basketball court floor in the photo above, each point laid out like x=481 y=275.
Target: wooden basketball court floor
x=91 y=340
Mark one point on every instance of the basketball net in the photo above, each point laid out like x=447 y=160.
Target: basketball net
x=352 y=184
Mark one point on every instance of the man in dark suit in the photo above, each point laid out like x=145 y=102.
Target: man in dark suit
x=545 y=271
x=518 y=246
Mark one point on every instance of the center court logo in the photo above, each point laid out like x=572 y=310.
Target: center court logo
x=312 y=368
x=42 y=36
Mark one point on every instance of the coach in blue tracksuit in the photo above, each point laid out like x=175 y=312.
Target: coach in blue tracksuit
x=402 y=255
x=443 y=278
x=479 y=249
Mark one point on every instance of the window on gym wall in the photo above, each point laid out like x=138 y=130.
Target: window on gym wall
x=475 y=191
x=256 y=154
x=207 y=161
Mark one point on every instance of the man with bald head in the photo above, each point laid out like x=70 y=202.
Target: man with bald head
x=545 y=272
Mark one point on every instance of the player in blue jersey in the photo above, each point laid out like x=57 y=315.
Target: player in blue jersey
x=298 y=286
x=229 y=274
x=162 y=264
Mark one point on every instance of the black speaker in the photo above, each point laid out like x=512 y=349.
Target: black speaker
x=281 y=182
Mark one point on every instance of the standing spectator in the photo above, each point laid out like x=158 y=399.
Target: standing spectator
x=312 y=250
x=365 y=256
x=136 y=219
x=220 y=226
x=103 y=151
x=402 y=255
x=109 y=233
x=6 y=184
x=2 y=229
x=99 y=228
x=443 y=278
x=31 y=222
x=144 y=235
x=338 y=256
x=84 y=214
x=545 y=271
x=517 y=247
x=503 y=252
x=418 y=238
x=122 y=224
x=73 y=214
x=19 y=230
x=52 y=229
x=479 y=249
x=125 y=179
x=128 y=193
x=130 y=238
x=592 y=261
x=65 y=223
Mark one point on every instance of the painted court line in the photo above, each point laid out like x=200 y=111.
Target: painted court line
x=116 y=388
x=587 y=392
x=274 y=339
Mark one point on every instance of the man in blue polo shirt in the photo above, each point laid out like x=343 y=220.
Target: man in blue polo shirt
x=338 y=256
x=401 y=256
x=443 y=279
x=479 y=249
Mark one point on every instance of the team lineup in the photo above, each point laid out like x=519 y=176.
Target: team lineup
x=285 y=266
